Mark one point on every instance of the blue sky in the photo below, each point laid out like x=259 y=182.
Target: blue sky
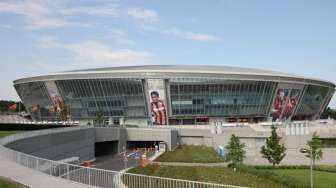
x=39 y=37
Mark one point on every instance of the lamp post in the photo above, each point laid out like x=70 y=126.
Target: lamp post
x=304 y=150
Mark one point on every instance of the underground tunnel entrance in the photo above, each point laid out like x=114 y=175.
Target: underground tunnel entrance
x=106 y=148
x=131 y=145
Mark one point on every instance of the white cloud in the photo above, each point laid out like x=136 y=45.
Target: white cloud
x=48 y=22
x=93 y=53
x=55 y=14
x=5 y=26
x=143 y=15
x=120 y=37
x=40 y=14
x=109 y=10
x=37 y=13
x=192 y=36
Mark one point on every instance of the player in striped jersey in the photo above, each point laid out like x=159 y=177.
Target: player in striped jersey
x=159 y=112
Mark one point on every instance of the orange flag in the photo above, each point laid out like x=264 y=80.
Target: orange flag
x=12 y=107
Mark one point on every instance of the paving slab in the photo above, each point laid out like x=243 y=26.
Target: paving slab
x=32 y=178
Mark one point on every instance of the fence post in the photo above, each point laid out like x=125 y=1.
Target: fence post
x=89 y=176
x=68 y=172
x=50 y=169
x=37 y=164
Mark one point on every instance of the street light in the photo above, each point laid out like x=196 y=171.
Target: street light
x=305 y=150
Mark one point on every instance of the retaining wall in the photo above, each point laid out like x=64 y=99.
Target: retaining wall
x=57 y=144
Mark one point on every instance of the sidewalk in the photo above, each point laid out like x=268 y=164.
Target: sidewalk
x=31 y=178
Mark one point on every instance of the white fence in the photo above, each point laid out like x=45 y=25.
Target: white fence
x=92 y=176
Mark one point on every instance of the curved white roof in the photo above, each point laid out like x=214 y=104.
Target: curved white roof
x=184 y=68
x=177 y=70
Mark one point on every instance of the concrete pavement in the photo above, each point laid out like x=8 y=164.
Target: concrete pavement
x=32 y=178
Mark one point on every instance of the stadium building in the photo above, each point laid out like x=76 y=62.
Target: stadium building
x=173 y=95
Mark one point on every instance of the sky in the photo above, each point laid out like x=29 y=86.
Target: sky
x=45 y=36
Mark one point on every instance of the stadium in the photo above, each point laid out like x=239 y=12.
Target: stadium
x=124 y=112
x=173 y=95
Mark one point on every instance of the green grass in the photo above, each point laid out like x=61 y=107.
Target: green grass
x=7 y=133
x=219 y=175
x=6 y=183
x=302 y=177
x=191 y=154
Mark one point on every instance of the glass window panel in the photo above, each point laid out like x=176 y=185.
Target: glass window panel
x=219 y=97
x=312 y=101
x=112 y=97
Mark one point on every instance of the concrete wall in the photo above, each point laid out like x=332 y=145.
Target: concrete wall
x=153 y=134
x=194 y=136
x=255 y=137
x=142 y=122
x=59 y=145
x=104 y=134
x=122 y=135
x=174 y=139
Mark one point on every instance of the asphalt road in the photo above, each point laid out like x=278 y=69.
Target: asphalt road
x=116 y=162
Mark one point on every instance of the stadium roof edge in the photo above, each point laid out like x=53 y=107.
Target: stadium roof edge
x=206 y=69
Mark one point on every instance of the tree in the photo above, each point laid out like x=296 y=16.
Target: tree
x=236 y=152
x=273 y=151
x=328 y=113
x=315 y=145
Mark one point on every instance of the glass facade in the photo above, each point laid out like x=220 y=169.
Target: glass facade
x=312 y=101
x=220 y=98
x=36 y=100
x=110 y=97
x=197 y=98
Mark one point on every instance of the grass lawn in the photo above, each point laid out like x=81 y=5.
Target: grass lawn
x=6 y=183
x=191 y=154
x=7 y=133
x=302 y=176
x=219 y=175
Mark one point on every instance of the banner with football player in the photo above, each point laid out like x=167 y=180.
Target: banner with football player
x=55 y=97
x=285 y=102
x=157 y=97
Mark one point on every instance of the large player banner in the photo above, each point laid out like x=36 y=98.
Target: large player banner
x=291 y=103
x=55 y=97
x=285 y=103
x=158 y=103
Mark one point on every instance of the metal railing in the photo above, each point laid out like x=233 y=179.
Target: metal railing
x=92 y=176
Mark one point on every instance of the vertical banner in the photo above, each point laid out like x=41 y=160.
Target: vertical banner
x=285 y=103
x=55 y=97
x=279 y=103
x=158 y=102
x=291 y=103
